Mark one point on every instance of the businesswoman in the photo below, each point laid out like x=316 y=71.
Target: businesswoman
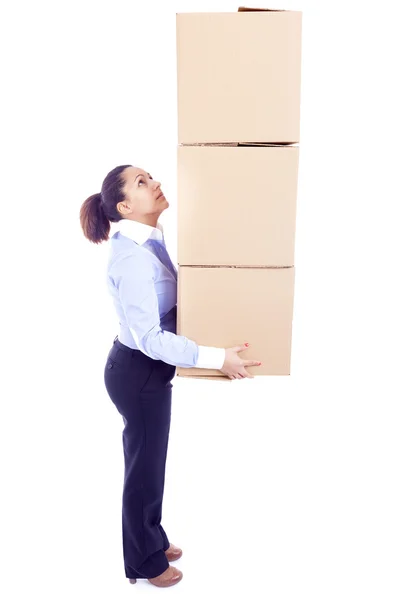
x=143 y=358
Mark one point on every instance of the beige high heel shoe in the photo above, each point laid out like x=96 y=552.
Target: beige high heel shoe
x=171 y=576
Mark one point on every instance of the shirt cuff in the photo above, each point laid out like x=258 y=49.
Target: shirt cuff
x=210 y=358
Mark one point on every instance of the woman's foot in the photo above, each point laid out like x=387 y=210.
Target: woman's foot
x=171 y=576
x=173 y=553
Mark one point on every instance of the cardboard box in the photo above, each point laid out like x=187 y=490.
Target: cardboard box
x=236 y=205
x=225 y=306
x=238 y=76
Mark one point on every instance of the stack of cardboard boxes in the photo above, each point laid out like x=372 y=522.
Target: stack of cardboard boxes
x=238 y=154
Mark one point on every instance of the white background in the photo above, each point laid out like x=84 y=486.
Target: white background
x=276 y=487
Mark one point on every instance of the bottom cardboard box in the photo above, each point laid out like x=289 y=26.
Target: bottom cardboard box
x=180 y=372
x=227 y=306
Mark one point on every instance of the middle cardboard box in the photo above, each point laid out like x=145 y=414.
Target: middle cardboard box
x=236 y=222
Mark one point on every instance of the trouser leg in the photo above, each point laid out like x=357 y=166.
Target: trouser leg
x=145 y=442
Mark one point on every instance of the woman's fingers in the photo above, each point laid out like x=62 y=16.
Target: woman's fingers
x=252 y=363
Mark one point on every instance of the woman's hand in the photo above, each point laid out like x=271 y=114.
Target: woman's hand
x=234 y=366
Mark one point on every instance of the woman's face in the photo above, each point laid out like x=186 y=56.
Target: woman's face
x=144 y=200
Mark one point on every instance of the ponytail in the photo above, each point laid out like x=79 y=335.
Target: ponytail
x=94 y=222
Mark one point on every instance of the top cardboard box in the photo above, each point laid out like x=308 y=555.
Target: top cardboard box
x=238 y=76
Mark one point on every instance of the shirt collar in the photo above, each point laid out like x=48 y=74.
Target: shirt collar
x=140 y=232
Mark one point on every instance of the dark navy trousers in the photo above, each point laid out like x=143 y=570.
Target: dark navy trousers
x=141 y=389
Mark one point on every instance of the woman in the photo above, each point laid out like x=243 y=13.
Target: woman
x=143 y=358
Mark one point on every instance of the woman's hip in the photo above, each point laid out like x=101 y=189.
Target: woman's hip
x=132 y=376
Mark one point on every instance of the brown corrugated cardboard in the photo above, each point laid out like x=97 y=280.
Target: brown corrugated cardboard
x=237 y=205
x=225 y=306
x=238 y=76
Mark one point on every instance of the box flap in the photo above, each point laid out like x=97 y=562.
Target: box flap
x=245 y=9
x=236 y=144
x=267 y=144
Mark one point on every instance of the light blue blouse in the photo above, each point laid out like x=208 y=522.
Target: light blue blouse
x=142 y=281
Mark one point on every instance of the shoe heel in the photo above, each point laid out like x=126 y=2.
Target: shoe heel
x=132 y=581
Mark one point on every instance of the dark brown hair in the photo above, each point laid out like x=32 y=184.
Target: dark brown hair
x=99 y=209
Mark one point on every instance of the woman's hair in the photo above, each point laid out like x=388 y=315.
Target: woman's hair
x=99 y=209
